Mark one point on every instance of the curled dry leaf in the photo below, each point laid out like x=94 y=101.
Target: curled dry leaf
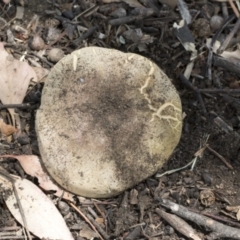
x=32 y=166
x=42 y=217
x=15 y=78
x=6 y=129
x=207 y=197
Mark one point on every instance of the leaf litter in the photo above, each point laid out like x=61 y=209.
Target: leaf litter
x=42 y=217
x=15 y=79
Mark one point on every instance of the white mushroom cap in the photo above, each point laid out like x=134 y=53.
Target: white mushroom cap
x=107 y=121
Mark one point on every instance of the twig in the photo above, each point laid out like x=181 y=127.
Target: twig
x=134 y=234
x=15 y=46
x=86 y=35
x=99 y=210
x=129 y=19
x=94 y=10
x=224 y=63
x=23 y=105
x=85 y=218
x=99 y=202
x=124 y=209
x=158 y=175
x=234 y=8
x=94 y=214
x=216 y=90
x=220 y=157
x=219 y=230
x=192 y=163
x=219 y=218
x=10 y=229
x=229 y=37
x=41 y=58
x=12 y=237
x=186 y=82
x=7 y=23
x=82 y=13
x=221 y=123
x=98 y=227
x=28 y=54
x=179 y=224
x=210 y=53
x=224 y=10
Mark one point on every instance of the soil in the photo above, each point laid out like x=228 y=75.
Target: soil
x=132 y=215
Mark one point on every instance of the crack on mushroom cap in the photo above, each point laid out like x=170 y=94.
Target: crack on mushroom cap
x=100 y=122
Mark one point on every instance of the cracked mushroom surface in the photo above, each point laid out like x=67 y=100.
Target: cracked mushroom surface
x=107 y=121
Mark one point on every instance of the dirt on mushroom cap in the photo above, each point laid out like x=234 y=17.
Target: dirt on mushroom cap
x=107 y=121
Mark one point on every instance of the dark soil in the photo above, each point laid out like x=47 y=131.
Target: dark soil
x=132 y=214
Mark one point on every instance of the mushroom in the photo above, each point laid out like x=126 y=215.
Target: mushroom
x=107 y=121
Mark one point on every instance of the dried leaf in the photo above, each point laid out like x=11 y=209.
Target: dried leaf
x=88 y=233
x=15 y=78
x=42 y=217
x=41 y=73
x=6 y=129
x=99 y=220
x=32 y=166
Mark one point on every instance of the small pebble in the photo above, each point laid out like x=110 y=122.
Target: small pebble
x=23 y=139
x=34 y=147
x=207 y=178
x=36 y=43
x=55 y=54
x=169 y=230
x=235 y=121
x=63 y=207
x=193 y=193
x=216 y=22
x=26 y=149
x=68 y=14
